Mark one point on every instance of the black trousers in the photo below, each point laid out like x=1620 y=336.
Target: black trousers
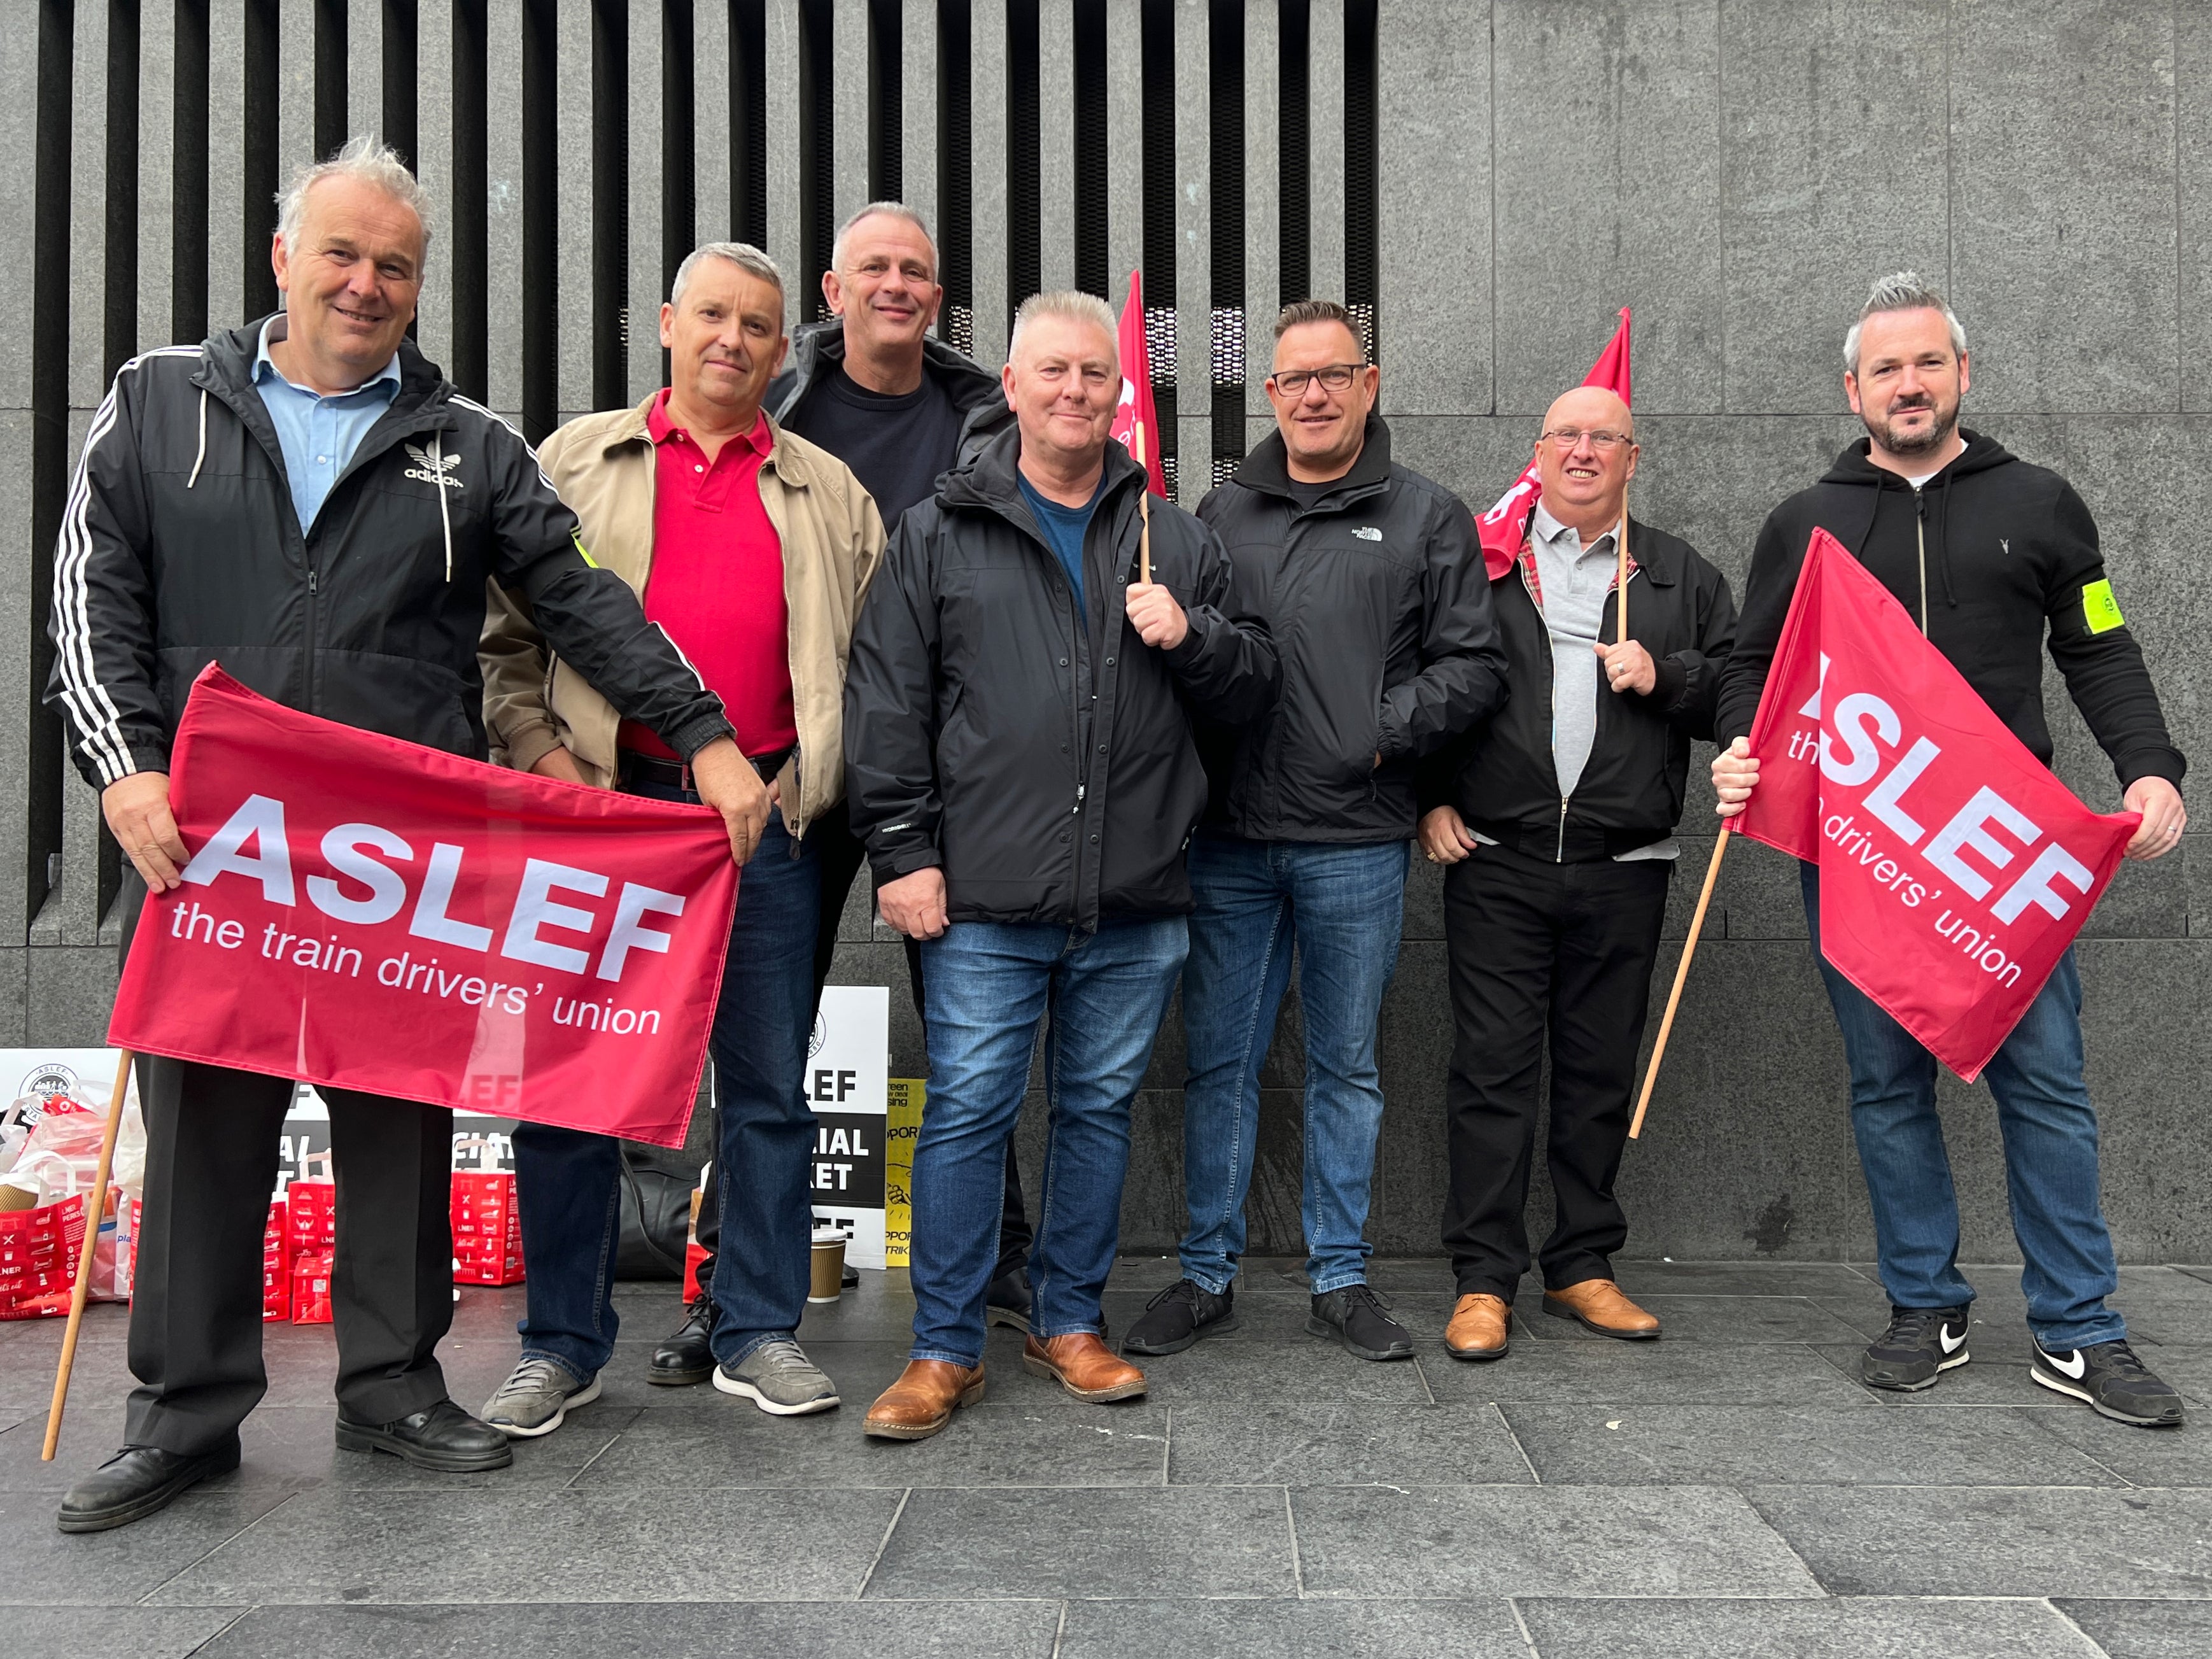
x=1537 y=948
x=842 y=855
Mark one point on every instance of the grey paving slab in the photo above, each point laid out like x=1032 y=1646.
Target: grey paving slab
x=2145 y=1457
x=1357 y=1541
x=1838 y=1628
x=1003 y=1630
x=1704 y=1319
x=1727 y=1445
x=1478 y=1628
x=1641 y=1279
x=139 y=1632
x=2144 y=1630
x=1342 y=1444
x=1666 y=1372
x=1308 y=1368
x=349 y=1547
x=997 y=1443
x=1176 y=1543
x=109 y=1568
x=2018 y=1541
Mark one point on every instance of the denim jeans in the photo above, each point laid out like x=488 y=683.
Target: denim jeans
x=1343 y=907
x=988 y=984
x=2050 y=1134
x=569 y=1181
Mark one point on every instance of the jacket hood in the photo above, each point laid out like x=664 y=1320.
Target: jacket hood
x=227 y=363
x=988 y=480
x=1852 y=466
x=817 y=344
x=1267 y=468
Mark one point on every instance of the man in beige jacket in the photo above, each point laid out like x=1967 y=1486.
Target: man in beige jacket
x=751 y=548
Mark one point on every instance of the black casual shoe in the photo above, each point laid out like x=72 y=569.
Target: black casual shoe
x=1178 y=1316
x=2112 y=1380
x=1355 y=1315
x=1920 y=1345
x=137 y=1481
x=684 y=1358
x=1006 y=1302
x=444 y=1438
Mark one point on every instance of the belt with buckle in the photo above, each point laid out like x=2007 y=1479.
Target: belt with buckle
x=636 y=767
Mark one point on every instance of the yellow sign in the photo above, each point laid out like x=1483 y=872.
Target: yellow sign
x=904 y=1097
x=2100 y=609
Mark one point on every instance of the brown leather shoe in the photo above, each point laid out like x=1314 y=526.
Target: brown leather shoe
x=923 y=1400
x=1084 y=1366
x=1478 y=1327
x=1597 y=1304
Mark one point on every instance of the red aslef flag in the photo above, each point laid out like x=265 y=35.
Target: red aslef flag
x=1505 y=527
x=1955 y=868
x=1135 y=421
x=368 y=913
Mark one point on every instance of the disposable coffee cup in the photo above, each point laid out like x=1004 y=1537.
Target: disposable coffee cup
x=829 y=1266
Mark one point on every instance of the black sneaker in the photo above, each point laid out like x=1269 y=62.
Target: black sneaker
x=1920 y=1345
x=1007 y=1301
x=1178 y=1316
x=2112 y=1380
x=1354 y=1315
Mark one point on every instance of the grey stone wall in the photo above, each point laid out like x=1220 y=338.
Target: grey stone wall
x=1735 y=172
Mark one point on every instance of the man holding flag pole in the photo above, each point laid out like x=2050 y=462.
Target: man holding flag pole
x=1981 y=553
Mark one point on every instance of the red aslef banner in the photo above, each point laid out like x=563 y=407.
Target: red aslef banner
x=1505 y=527
x=1955 y=868
x=368 y=913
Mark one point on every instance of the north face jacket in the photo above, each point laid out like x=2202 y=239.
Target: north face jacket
x=1045 y=760
x=180 y=547
x=1997 y=556
x=1379 y=609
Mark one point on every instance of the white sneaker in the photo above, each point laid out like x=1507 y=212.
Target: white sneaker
x=535 y=1400
x=779 y=1378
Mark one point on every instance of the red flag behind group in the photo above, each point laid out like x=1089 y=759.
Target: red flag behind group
x=1955 y=868
x=368 y=913
x=1505 y=527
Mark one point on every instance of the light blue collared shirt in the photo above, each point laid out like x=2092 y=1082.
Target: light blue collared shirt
x=319 y=434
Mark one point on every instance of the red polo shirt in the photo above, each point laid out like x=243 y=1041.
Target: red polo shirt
x=716 y=584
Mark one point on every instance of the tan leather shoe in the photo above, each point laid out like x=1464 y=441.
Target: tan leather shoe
x=1597 y=1304
x=1478 y=1327
x=1084 y=1366
x=923 y=1400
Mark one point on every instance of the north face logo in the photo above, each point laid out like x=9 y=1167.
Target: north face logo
x=433 y=468
x=1368 y=532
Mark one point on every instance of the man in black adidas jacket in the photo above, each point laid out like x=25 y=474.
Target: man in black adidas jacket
x=1557 y=821
x=1020 y=762
x=1992 y=556
x=309 y=503
x=1370 y=581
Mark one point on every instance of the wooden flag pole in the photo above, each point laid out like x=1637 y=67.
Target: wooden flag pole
x=1144 y=510
x=1620 y=578
x=94 y=1210
x=1681 y=973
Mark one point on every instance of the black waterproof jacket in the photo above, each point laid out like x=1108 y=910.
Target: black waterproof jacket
x=1992 y=552
x=1045 y=761
x=180 y=547
x=1501 y=776
x=973 y=390
x=1376 y=601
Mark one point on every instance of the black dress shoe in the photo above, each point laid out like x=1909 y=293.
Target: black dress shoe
x=444 y=1438
x=686 y=1356
x=137 y=1481
x=1006 y=1302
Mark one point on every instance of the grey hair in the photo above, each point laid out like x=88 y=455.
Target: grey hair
x=891 y=210
x=1901 y=290
x=1070 y=305
x=743 y=255
x=1300 y=312
x=365 y=157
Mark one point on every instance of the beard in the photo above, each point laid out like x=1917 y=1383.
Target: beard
x=1885 y=431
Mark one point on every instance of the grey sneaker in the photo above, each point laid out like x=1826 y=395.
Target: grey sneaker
x=535 y=1400
x=779 y=1378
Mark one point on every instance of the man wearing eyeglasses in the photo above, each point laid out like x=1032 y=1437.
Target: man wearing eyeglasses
x=1558 y=822
x=1369 y=579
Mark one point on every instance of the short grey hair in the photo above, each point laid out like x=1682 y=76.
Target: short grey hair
x=743 y=255
x=889 y=210
x=1901 y=290
x=371 y=160
x=1301 y=312
x=1070 y=305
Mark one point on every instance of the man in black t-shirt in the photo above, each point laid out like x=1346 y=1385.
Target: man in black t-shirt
x=870 y=385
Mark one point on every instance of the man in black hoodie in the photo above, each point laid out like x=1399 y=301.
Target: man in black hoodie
x=1987 y=552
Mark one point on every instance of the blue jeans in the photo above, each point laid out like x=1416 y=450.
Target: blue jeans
x=569 y=1181
x=988 y=985
x=1343 y=907
x=2050 y=1132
